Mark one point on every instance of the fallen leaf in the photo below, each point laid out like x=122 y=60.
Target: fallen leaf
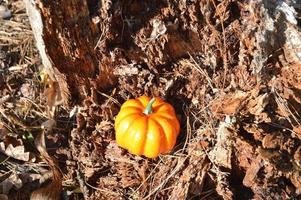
x=229 y=104
x=27 y=90
x=222 y=152
x=251 y=174
x=12 y=181
x=257 y=105
x=53 y=96
x=16 y=152
x=104 y=126
x=271 y=141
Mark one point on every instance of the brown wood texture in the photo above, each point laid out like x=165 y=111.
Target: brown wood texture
x=83 y=38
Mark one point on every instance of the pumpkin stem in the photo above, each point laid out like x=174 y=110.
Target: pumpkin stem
x=148 y=110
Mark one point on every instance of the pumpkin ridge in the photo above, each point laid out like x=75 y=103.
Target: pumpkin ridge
x=140 y=101
x=158 y=102
x=130 y=125
x=131 y=107
x=176 y=129
x=170 y=118
x=155 y=108
x=135 y=145
x=123 y=118
x=131 y=104
x=162 y=133
x=124 y=132
x=165 y=107
x=165 y=116
x=144 y=141
x=127 y=112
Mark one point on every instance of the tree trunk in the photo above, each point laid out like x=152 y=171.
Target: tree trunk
x=66 y=38
x=79 y=41
x=82 y=42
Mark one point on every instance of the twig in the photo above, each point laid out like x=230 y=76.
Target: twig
x=176 y=170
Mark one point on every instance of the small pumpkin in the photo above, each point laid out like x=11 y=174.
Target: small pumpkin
x=147 y=126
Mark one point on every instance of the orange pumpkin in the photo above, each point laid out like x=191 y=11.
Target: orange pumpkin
x=147 y=127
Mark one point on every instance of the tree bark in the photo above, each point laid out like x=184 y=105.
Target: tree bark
x=79 y=40
x=65 y=38
x=82 y=41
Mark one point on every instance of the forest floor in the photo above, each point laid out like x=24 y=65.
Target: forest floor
x=238 y=103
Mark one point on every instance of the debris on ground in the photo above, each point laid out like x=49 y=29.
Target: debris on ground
x=234 y=82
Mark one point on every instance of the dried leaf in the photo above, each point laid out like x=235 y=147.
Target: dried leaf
x=257 y=105
x=17 y=152
x=12 y=181
x=229 y=104
x=272 y=141
x=297 y=156
x=251 y=174
x=53 y=96
x=27 y=90
x=222 y=153
x=104 y=126
x=128 y=70
x=115 y=154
